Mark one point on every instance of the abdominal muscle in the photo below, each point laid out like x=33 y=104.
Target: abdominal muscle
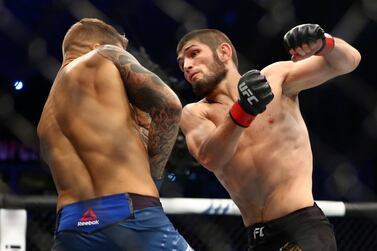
x=268 y=179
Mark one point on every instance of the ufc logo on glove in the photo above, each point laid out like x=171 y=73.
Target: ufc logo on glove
x=247 y=92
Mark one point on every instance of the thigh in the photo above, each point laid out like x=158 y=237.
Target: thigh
x=319 y=237
x=72 y=241
x=154 y=237
x=119 y=237
x=309 y=237
x=167 y=238
x=149 y=230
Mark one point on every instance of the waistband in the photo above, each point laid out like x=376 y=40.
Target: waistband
x=138 y=201
x=300 y=215
x=94 y=214
x=143 y=201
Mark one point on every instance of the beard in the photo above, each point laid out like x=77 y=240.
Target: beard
x=204 y=87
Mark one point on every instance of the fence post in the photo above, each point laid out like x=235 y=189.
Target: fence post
x=13 y=229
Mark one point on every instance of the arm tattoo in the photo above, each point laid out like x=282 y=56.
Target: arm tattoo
x=162 y=135
x=150 y=94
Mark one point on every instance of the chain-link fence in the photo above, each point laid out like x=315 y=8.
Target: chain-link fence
x=213 y=232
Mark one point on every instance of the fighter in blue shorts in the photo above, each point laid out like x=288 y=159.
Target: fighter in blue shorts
x=106 y=132
x=117 y=222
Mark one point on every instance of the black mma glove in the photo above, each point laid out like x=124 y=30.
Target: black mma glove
x=308 y=33
x=254 y=95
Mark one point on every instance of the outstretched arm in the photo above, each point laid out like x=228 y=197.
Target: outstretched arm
x=316 y=58
x=150 y=94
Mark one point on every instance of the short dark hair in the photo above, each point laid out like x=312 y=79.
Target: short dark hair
x=92 y=29
x=211 y=37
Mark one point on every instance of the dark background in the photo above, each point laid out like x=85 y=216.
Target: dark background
x=341 y=115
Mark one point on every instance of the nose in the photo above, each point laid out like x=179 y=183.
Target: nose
x=187 y=64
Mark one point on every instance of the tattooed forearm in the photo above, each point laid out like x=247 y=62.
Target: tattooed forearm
x=150 y=94
x=143 y=121
x=162 y=135
x=123 y=60
x=144 y=136
x=163 y=129
x=134 y=75
x=138 y=69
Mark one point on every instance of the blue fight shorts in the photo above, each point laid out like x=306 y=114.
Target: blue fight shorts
x=128 y=222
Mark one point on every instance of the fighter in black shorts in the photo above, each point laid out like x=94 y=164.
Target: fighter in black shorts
x=248 y=130
x=306 y=229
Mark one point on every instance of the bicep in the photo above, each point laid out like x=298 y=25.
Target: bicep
x=196 y=130
x=144 y=88
x=304 y=74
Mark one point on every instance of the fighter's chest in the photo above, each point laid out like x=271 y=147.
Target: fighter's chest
x=261 y=124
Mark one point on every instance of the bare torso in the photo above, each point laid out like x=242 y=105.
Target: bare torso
x=270 y=173
x=88 y=134
x=267 y=167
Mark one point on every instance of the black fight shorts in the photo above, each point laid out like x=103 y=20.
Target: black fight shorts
x=306 y=229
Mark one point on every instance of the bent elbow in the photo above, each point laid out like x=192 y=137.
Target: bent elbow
x=353 y=62
x=174 y=106
x=170 y=105
x=356 y=59
x=207 y=163
x=211 y=163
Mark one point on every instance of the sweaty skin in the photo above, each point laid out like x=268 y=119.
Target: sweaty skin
x=95 y=124
x=267 y=167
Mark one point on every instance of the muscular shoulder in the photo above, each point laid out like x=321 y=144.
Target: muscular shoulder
x=116 y=54
x=103 y=56
x=203 y=112
x=191 y=114
x=199 y=109
x=277 y=74
x=279 y=69
x=192 y=110
x=88 y=61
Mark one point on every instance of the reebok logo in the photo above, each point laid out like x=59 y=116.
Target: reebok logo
x=88 y=218
x=87 y=223
x=89 y=215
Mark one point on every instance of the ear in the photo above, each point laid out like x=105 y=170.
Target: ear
x=95 y=46
x=224 y=51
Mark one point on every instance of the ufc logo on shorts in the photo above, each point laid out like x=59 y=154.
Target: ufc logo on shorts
x=247 y=92
x=258 y=232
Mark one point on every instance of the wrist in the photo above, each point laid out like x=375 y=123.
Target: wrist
x=239 y=116
x=328 y=44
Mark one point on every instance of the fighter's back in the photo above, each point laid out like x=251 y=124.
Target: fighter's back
x=88 y=134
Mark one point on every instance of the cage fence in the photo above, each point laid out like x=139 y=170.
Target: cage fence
x=217 y=228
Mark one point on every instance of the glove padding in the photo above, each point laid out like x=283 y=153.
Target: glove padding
x=308 y=34
x=254 y=95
